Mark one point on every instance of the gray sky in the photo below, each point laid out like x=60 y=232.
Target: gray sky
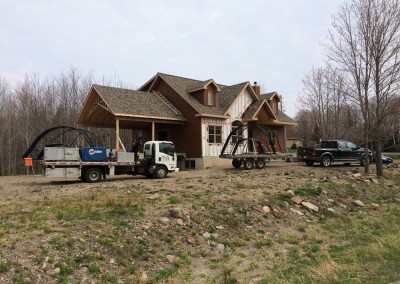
x=272 y=42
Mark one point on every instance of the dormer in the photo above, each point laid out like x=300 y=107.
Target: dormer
x=274 y=100
x=205 y=92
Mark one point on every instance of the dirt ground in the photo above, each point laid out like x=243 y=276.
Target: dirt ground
x=220 y=225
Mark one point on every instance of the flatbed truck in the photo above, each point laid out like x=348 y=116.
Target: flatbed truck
x=92 y=164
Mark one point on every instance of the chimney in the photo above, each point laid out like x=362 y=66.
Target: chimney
x=256 y=88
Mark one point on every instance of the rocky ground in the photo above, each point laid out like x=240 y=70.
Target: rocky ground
x=282 y=224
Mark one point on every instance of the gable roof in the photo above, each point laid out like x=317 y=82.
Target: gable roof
x=106 y=101
x=182 y=86
x=270 y=96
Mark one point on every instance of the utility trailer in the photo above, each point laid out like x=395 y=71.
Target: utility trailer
x=250 y=152
x=93 y=163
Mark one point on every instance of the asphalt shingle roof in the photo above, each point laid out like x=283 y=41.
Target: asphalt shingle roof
x=130 y=102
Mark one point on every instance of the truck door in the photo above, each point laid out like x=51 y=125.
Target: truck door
x=354 y=154
x=166 y=155
x=344 y=153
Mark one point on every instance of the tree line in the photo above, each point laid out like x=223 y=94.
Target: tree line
x=35 y=104
x=356 y=94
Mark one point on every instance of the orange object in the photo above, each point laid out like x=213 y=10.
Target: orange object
x=28 y=162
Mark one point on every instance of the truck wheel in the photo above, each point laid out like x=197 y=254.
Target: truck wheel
x=260 y=164
x=160 y=172
x=236 y=163
x=93 y=175
x=309 y=163
x=326 y=161
x=248 y=164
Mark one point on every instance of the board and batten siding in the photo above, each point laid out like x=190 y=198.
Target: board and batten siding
x=235 y=112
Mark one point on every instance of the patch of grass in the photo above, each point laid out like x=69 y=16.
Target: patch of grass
x=263 y=243
x=94 y=269
x=165 y=273
x=306 y=191
x=174 y=200
x=4 y=266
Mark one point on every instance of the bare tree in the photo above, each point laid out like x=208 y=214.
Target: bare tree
x=324 y=98
x=364 y=43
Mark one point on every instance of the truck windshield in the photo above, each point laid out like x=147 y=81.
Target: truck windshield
x=167 y=148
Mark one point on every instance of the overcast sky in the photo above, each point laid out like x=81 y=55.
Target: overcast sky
x=231 y=41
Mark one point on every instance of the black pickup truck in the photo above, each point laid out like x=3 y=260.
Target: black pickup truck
x=332 y=151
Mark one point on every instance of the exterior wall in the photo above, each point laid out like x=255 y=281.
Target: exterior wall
x=186 y=137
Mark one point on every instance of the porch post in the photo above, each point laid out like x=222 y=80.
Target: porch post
x=116 y=134
x=152 y=130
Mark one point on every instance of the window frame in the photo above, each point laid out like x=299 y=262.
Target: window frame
x=214 y=135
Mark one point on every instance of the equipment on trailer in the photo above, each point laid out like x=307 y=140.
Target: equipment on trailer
x=92 y=163
x=250 y=152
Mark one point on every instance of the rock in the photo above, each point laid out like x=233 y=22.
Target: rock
x=220 y=247
x=26 y=210
x=367 y=181
x=297 y=199
x=143 y=278
x=179 y=222
x=230 y=210
x=266 y=209
x=297 y=211
x=206 y=235
x=342 y=205
x=163 y=220
x=331 y=210
x=375 y=205
x=27 y=280
x=177 y=213
x=171 y=258
x=112 y=261
x=310 y=206
x=331 y=200
x=290 y=192
x=154 y=196
x=286 y=204
x=357 y=175
x=53 y=272
x=358 y=203
x=375 y=180
x=220 y=227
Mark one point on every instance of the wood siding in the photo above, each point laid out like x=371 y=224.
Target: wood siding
x=186 y=137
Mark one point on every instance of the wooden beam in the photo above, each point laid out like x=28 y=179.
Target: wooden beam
x=153 y=130
x=116 y=134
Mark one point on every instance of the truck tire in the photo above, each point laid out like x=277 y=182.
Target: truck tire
x=160 y=172
x=326 y=161
x=236 y=163
x=309 y=163
x=93 y=175
x=260 y=163
x=248 y=164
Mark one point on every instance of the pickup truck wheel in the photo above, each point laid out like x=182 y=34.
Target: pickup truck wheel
x=260 y=164
x=93 y=175
x=326 y=161
x=236 y=163
x=309 y=163
x=249 y=164
x=160 y=172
